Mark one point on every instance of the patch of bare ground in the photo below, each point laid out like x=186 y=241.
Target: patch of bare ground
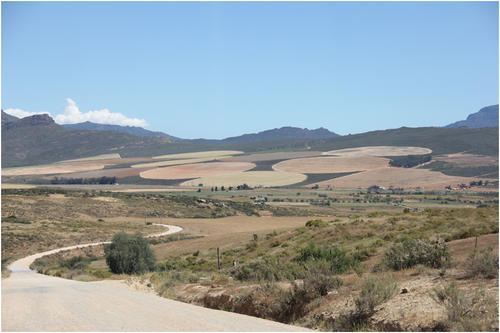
x=196 y=170
x=397 y=177
x=331 y=164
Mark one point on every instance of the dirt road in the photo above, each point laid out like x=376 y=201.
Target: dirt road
x=35 y=302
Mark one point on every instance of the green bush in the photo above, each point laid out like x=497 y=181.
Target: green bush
x=411 y=252
x=315 y=224
x=482 y=263
x=129 y=254
x=337 y=259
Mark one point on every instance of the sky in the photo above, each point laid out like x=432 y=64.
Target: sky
x=220 y=69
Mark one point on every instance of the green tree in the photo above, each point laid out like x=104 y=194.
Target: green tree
x=129 y=254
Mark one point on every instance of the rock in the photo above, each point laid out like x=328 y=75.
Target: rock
x=404 y=291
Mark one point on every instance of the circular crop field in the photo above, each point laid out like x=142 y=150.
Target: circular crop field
x=397 y=177
x=251 y=178
x=334 y=164
x=379 y=151
x=197 y=170
x=272 y=156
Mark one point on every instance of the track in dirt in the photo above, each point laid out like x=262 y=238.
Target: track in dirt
x=35 y=302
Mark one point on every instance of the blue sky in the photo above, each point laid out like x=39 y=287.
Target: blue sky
x=215 y=70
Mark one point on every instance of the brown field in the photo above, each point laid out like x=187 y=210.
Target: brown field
x=118 y=173
x=200 y=154
x=197 y=170
x=379 y=151
x=51 y=169
x=95 y=158
x=397 y=177
x=17 y=186
x=467 y=160
x=251 y=178
x=272 y=156
x=172 y=162
x=331 y=164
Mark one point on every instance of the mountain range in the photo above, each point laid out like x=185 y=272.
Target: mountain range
x=486 y=117
x=38 y=139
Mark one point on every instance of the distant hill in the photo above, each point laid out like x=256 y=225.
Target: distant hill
x=134 y=130
x=486 y=117
x=38 y=139
x=440 y=140
x=7 y=118
x=282 y=133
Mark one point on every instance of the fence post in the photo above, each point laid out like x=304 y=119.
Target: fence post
x=218 y=259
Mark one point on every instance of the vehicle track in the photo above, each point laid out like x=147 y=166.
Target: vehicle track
x=36 y=302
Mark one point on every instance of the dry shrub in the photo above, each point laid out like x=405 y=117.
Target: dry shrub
x=482 y=263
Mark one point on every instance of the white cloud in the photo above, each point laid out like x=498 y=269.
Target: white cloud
x=21 y=113
x=72 y=115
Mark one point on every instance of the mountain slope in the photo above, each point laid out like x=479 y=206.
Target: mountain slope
x=486 y=117
x=7 y=118
x=138 y=131
x=286 y=132
x=38 y=139
x=440 y=140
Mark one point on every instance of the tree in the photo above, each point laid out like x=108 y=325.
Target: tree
x=129 y=254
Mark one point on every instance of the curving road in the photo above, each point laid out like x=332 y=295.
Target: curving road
x=36 y=302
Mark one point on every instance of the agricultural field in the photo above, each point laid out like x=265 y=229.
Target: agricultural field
x=398 y=177
x=197 y=170
x=251 y=178
x=379 y=151
x=331 y=164
x=359 y=167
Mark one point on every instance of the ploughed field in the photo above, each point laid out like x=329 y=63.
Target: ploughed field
x=360 y=167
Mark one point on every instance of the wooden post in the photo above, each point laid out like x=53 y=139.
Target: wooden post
x=218 y=259
x=475 y=245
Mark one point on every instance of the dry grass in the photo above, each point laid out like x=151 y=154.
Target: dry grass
x=51 y=169
x=251 y=178
x=197 y=170
x=95 y=158
x=118 y=173
x=272 y=156
x=200 y=154
x=379 y=151
x=172 y=162
x=331 y=164
x=397 y=177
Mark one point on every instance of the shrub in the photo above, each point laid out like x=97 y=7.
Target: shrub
x=477 y=312
x=315 y=224
x=411 y=252
x=129 y=254
x=482 y=263
x=76 y=262
x=337 y=259
x=375 y=292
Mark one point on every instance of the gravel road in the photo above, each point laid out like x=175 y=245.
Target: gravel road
x=35 y=302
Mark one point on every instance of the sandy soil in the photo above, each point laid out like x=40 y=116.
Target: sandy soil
x=331 y=164
x=379 y=151
x=200 y=154
x=397 y=177
x=197 y=170
x=251 y=178
x=272 y=156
